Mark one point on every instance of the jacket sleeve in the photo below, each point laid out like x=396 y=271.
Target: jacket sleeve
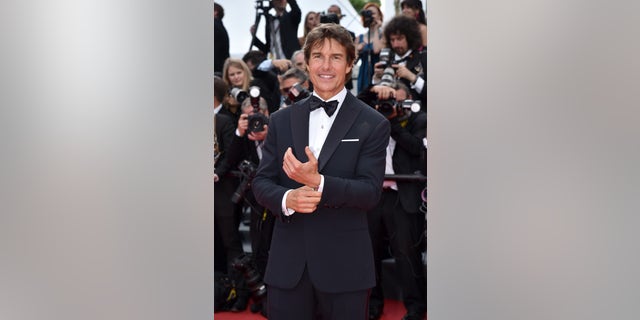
x=224 y=134
x=296 y=13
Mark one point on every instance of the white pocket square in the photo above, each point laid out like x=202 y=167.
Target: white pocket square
x=350 y=140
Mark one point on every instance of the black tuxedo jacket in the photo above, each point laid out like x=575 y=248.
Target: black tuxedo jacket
x=332 y=242
x=408 y=158
x=289 y=23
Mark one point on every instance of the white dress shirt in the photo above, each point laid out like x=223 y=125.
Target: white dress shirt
x=319 y=126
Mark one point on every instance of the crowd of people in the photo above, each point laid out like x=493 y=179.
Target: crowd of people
x=331 y=174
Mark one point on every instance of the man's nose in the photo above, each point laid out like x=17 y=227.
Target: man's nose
x=326 y=63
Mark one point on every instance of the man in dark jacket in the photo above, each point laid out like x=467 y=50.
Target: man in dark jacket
x=408 y=56
x=398 y=212
x=281 y=30
x=322 y=169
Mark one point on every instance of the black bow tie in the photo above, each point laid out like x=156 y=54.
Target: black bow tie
x=329 y=106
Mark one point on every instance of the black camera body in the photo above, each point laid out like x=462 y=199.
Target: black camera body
x=367 y=17
x=385 y=57
x=387 y=106
x=257 y=120
x=296 y=93
x=247 y=171
x=257 y=288
x=329 y=18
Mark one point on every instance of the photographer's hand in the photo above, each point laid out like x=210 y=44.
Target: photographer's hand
x=378 y=70
x=282 y=64
x=403 y=72
x=243 y=124
x=259 y=136
x=384 y=92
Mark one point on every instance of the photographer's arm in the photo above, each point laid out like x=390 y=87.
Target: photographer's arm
x=225 y=138
x=417 y=82
x=296 y=13
x=377 y=37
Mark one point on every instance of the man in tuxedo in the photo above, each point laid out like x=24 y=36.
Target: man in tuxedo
x=322 y=169
x=409 y=57
x=281 y=30
x=397 y=216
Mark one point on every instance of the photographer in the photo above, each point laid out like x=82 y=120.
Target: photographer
x=267 y=70
x=238 y=75
x=281 y=30
x=369 y=44
x=407 y=61
x=294 y=86
x=245 y=152
x=397 y=212
x=334 y=15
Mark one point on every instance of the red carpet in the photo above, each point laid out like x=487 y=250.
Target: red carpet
x=393 y=310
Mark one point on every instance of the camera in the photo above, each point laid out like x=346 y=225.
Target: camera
x=413 y=105
x=264 y=5
x=248 y=171
x=256 y=286
x=388 y=77
x=367 y=17
x=238 y=94
x=386 y=107
x=385 y=57
x=297 y=93
x=329 y=18
x=257 y=120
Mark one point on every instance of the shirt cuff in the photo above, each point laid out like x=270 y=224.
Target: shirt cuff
x=238 y=133
x=286 y=211
x=265 y=65
x=418 y=85
x=321 y=186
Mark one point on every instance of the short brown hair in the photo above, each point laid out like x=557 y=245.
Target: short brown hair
x=220 y=89
x=316 y=37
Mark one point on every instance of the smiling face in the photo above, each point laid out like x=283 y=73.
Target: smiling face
x=328 y=67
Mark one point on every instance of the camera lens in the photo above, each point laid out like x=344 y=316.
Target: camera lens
x=239 y=94
x=388 y=77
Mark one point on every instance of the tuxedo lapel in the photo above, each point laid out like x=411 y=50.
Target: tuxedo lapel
x=344 y=120
x=300 y=129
